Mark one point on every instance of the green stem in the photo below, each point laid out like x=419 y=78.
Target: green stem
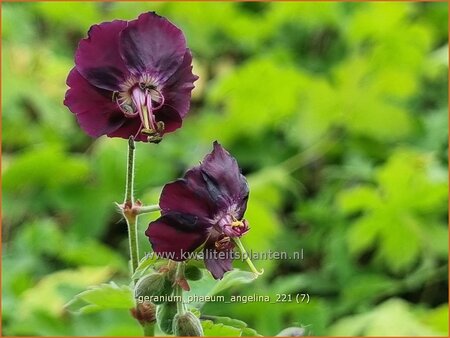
x=144 y=209
x=132 y=241
x=178 y=290
x=180 y=305
x=127 y=209
x=247 y=258
x=129 y=187
x=149 y=329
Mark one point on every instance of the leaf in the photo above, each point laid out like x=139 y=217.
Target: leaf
x=207 y=286
x=391 y=318
x=398 y=225
x=232 y=278
x=100 y=297
x=218 y=330
x=437 y=319
x=228 y=321
x=363 y=233
x=400 y=243
x=236 y=323
x=27 y=171
x=56 y=287
x=362 y=197
x=146 y=263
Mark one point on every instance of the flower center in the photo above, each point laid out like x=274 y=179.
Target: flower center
x=142 y=98
x=232 y=227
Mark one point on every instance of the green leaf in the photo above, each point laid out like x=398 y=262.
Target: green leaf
x=207 y=286
x=218 y=330
x=391 y=318
x=398 y=225
x=228 y=321
x=146 y=263
x=363 y=233
x=437 y=319
x=362 y=197
x=235 y=323
x=56 y=287
x=27 y=171
x=100 y=297
x=232 y=278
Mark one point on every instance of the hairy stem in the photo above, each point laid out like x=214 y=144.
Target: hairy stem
x=127 y=209
x=178 y=290
x=129 y=185
x=144 y=209
x=149 y=330
x=132 y=241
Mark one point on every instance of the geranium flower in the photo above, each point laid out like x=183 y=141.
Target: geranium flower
x=131 y=79
x=207 y=207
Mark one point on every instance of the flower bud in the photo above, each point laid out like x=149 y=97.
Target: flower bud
x=187 y=325
x=164 y=316
x=144 y=313
x=193 y=273
x=154 y=285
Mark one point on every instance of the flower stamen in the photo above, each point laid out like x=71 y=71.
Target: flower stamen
x=237 y=224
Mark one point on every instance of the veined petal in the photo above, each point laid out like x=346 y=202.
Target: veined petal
x=96 y=113
x=217 y=262
x=224 y=179
x=178 y=88
x=130 y=127
x=172 y=120
x=98 y=58
x=152 y=44
x=173 y=235
x=188 y=195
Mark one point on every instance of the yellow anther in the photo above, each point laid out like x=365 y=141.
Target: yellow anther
x=237 y=224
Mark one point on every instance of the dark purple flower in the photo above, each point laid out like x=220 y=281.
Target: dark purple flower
x=131 y=79
x=207 y=207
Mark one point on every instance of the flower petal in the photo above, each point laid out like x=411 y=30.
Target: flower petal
x=98 y=58
x=178 y=88
x=152 y=44
x=173 y=235
x=96 y=113
x=172 y=120
x=187 y=195
x=130 y=127
x=224 y=180
x=217 y=262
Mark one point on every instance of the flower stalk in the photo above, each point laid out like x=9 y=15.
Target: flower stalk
x=179 y=274
x=247 y=258
x=145 y=209
x=127 y=208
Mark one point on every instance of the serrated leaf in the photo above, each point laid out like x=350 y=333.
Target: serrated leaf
x=236 y=323
x=104 y=296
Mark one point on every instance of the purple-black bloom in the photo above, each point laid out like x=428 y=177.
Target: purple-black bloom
x=207 y=207
x=131 y=78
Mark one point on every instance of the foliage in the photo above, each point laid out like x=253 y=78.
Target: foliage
x=337 y=113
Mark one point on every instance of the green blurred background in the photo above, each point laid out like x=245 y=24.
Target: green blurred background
x=337 y=114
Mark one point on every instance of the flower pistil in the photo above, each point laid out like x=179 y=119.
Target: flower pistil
x=142 y=98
